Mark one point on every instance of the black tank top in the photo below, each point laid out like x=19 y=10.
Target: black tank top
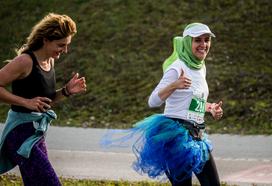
x=37 y=83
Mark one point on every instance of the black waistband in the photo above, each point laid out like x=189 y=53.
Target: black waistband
x=16 y=108
x=190 y=123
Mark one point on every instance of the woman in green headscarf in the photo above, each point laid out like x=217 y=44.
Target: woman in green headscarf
x=184 y=90
x=176 y=141
x=174 y=144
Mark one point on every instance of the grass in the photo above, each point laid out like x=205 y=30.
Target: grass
x=121 y=45
x=12 y=180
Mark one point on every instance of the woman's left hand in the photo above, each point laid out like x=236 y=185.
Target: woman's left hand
x=76 y=85
x=216 y=110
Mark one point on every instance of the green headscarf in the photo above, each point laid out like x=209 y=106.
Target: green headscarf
x=183 y=50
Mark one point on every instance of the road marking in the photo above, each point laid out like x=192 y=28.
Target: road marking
x=259 y=174
x=244 y=159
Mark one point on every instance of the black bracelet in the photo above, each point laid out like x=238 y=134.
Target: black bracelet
x=65 y=92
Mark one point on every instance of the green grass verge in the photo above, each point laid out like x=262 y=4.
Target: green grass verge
x=121 y=45
x=12 y=180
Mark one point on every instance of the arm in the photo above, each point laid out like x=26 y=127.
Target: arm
x=75 y=86
x=168 y=84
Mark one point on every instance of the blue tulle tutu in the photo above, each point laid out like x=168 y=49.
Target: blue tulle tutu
x=162 y=146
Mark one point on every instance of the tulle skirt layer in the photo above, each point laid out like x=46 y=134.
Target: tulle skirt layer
x=163 y=146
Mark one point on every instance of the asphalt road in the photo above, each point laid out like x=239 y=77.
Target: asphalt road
x=76 y=153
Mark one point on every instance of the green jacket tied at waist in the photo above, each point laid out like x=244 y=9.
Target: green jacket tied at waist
x=40 y=121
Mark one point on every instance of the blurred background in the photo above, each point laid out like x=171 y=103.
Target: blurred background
x=121 y=45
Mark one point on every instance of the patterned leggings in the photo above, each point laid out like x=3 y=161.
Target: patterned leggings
x=36 y=170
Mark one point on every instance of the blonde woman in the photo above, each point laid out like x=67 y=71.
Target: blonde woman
x=32 y=77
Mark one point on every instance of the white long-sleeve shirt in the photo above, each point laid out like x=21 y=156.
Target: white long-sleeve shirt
x=177 y=104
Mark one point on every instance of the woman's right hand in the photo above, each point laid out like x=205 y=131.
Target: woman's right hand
x=39 y=104
x=182 y=82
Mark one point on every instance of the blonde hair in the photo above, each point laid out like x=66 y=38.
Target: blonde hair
x=52 y=27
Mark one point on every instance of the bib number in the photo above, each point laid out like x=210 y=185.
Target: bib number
x=196 y=110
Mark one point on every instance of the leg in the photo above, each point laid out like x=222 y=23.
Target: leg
x=187 y=182
x=41 y=145
x=36 y=170
x=209 y=175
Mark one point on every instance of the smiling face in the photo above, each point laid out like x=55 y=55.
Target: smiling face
x=56 y=47
x=201 y=46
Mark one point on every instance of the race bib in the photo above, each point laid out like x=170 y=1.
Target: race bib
x=196 y=110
